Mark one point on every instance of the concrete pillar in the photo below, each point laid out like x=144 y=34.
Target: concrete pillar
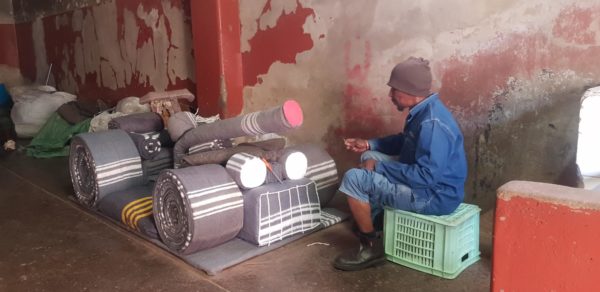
x=546 y=238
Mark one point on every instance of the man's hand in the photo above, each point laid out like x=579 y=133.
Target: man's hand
x=356 y=145
x=369 y=164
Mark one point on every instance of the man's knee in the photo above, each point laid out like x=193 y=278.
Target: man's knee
x=369 y=155
x=354 y=176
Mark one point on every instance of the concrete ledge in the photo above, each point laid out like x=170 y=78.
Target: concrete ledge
x=571 y=197
x=546 y=238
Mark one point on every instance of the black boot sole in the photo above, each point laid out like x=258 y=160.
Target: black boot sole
x=362 y=266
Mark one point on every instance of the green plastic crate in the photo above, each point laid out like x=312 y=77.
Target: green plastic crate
x=439 y=245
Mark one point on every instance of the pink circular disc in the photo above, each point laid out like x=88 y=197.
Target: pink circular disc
x=293 y=113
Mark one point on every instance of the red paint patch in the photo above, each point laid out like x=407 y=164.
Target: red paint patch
x=9 y=52
x=60 y=49
x=365 y=115
x=280 y=43
x=470 y=83
x=574 y=25
x=26 y=50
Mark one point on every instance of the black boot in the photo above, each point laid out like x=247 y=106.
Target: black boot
x=369 y=254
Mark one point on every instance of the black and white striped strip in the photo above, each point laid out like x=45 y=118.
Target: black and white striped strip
x=329 y=219
x=117 y=171
x=276 y=223
x=324 y=174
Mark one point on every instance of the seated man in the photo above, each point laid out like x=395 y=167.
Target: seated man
x=421 y=170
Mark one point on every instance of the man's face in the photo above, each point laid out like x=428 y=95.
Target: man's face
x=401 y=100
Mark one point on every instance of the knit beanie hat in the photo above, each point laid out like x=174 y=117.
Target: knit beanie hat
x=412 y=76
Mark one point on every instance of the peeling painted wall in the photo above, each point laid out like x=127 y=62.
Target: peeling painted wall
x=110 y=49
x=512 y=72
x=6 y=12
x=10 y=74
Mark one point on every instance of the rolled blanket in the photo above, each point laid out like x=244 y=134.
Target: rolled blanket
x=101 y=163
x=247 y=170
x=321 y=169
x=267 y=145
x=276 y=211
x=154 y=166
x=147 y=144
x=197 y=207
x=275 y=120
x=133 y=208
x=138 y=123
x=220 y=156
x=217 y=144
x=179 y=123
x=291 y=165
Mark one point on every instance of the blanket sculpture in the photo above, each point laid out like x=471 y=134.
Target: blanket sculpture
x=261 y=192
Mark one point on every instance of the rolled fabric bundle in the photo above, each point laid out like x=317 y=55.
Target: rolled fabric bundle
x=101 y=163
x=295 y=164
x=267 y=145
x=154 y=166
x=321 y=168
x=290 y=165
x=217 y=144
x=147 y=144
x=138 y=123
x=133 y=208
x=197 y=207
x=276 y=211
x=220 y=156
x=275 y=120
x=179 y=123
x=247 y=170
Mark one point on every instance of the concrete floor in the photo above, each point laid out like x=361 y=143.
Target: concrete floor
x=49 y=243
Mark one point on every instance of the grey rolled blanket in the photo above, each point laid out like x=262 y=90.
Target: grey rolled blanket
x=275 y=120
x=101 y=163
x=197 y=207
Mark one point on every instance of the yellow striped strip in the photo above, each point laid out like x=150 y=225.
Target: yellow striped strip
x=133 y=208
x=139 y=214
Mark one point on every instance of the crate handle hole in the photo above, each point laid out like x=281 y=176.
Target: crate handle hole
x=465 y=257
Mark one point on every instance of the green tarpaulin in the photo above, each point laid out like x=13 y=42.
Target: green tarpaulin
x=53 y=139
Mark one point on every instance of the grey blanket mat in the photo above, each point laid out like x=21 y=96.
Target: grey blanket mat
x=216 y=259
x=235 y=251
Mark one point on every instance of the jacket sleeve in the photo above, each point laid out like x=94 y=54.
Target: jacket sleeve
x=390 y=145
x=433 y=149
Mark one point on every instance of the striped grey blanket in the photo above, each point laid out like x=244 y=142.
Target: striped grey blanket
x=274 y=120
x=321 y=169
x=276 y=211
x=197 y=207
x=101 y=163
